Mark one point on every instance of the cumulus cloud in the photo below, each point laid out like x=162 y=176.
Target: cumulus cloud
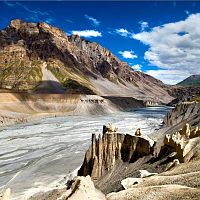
x=128 y=54
x=168 y=76
x=123 y=32
x=174 y=48
x=94 y=21
x=137 y=67
x=143 y=25
x=87 y=33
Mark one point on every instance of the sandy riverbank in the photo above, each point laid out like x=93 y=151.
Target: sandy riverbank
x=23 y=107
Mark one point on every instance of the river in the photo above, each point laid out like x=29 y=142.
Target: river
x=37 y=156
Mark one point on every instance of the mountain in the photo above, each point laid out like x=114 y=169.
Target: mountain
x=40 y=58
x=191 y=81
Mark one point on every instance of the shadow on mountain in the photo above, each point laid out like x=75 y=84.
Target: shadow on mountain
x=74 y=87
x=69 y=87
x=50 y=87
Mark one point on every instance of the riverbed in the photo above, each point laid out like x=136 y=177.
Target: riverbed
x=37 y=156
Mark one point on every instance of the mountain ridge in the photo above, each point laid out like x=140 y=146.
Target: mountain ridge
x=191 y=81
x=26 y=46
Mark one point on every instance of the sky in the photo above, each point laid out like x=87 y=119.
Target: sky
x=159 y=38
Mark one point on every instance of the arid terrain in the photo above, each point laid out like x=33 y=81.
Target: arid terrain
x=58 y=91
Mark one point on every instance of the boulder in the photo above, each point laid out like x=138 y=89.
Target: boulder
x=130 y=182
x=145 y=173
x=83 y=188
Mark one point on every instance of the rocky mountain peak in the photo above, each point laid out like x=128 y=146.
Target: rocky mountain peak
x=52 y=30
x=22 y=26
x=17 y=23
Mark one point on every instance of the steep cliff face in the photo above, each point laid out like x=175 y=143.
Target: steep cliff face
x=183 y=111
x=105 y=63
x=25 y=47
x=111 y=148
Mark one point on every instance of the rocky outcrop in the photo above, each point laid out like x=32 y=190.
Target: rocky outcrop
x=106 y=150
x=183 y=111
x=83 y=188
x=185 y=143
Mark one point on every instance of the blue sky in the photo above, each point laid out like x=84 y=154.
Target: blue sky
x=158 y=38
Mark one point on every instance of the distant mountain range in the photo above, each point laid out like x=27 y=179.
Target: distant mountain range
x=192 y=81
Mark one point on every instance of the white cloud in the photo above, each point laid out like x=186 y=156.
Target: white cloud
x=174 y=47
x=87 y=33
x=94 y=21
x=137 y=67
x=123 y=32
x=169 y=76
x=143 y=25
x=128 y=54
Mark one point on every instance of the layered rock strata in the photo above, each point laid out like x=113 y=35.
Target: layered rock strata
x=183 y=111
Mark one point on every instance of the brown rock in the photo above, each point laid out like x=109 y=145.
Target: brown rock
x=105 y=151
x=184 y=142
x=183 y=111
x=84 y=63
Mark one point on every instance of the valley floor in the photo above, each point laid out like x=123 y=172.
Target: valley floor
x=42 y=155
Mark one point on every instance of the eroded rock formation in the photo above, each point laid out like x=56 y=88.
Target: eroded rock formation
x=110 y=148
x=184 y=142
x=183 y=111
